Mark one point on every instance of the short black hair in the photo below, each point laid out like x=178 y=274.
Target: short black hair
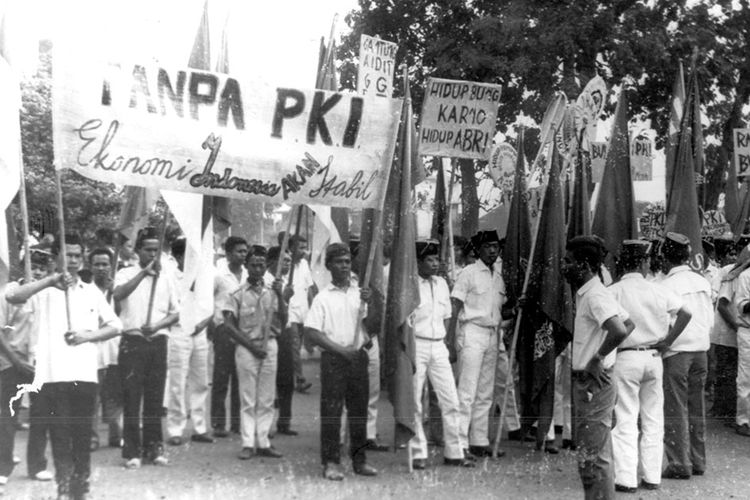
x=232 y=242
x=256 y=251
x=70 y=239
x=178 y=246
x=102 y=251
x=586 y=249
x=274 y=253
x=147 y=233
x=675 y=253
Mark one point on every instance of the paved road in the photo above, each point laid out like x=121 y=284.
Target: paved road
x=205 y=471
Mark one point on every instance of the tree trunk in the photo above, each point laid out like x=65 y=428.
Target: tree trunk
x=469 y=198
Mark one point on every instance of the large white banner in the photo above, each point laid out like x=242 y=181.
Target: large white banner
x=742 y=151
x=377 y=65
x=209 y=133
x=458 y=119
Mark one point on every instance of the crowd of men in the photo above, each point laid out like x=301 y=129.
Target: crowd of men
x=94 y=333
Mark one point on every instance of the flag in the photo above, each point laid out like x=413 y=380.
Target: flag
x=614 y=216
x=683 y=213
x=403 y=288
x=135 y=210
x=675 y=118
x=323 y=234
x=579 y=222
x=547 y=320
x=732 y=198
x=518 y=234
x=439 y=230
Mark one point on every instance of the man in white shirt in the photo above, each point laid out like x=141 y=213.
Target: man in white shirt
x=299 y=304
x=478 y=297
x=334 y=323
x=69 y=323
x=600 y=326
x=224 y=378
x=638 y=369
x=686 y=365
x=430 y=321
x=143 y=349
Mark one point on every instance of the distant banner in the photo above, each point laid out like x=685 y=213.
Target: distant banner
x=641 y=159
x=458 y=119
x=714 y=223
x=652 y=222
x=377 y=63
x=742 y=151
x=589 y=106
x=598 y=155
x=209 y=133
x=502 y=167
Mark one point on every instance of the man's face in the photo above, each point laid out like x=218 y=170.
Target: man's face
x=299 y=250
x=101 y=268
x=180 y=258
x=428 y=266
x=147 y=251
x=286 y=263
x=74 y=254
x=340 y=267
x=489 y=252
x=236 y=256
x=572 y=270
x=256 y=267
x=38 y=271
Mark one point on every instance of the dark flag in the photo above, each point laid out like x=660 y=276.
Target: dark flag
x=547 y=321
x=614 y=216
x=677 y=104
x=440 y=214
x=579 y=222
x=518 y=234
x=683 y=213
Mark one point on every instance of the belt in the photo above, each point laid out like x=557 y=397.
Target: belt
x=641 y=348
x=578 y=374
x=430 y=339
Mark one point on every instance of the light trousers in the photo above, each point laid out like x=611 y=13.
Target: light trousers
x=257 y=384
x=563 y=413
x=638 y=378
x=743 y=376
x=512 y=420
x=187 y=383
x=432 y=362
x=373 y=377
x=477 y=360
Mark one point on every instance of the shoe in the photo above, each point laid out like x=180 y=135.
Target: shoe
x=333 y=472
x=568 y=444
x=697 y=472
x=269 y=452
x=133 y=463
x=43 y=475
x=731 y=424
x=373 y=445
x=625 y=489
x=236 y=430
x=436 y=443
x=418 y=464
x=303 y=387
x=549 y=447
x=245 y=454
x=469 y=456
x=480 y=451
x=649 y=486
x=743 y=430
x=220 y=433
x=365 y=470
x=459 y=462
x=286 y=431
x=115 y=443
x=94 y=443
x=519 y=435
x=670 y=473
x=201 y=438
x=174 y=441
x=160 y=460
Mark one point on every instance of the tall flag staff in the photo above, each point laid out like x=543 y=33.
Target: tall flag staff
x=152 y=293
x=61 y=231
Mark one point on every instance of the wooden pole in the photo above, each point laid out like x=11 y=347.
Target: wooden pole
x=296 y=233
x=152 y=296
x=25 y=218
x=284 y=246
x=449 y=218
x=517 y=325
x=61 y=228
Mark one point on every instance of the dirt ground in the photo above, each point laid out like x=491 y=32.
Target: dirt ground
x=212 y=471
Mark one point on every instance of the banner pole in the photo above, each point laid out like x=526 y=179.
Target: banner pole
x=284 y=246
x=451 y=248
x=152 y=295
x=25 y=218
x=61 y=230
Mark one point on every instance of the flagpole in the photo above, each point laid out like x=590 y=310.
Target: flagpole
x=25 y=218
x=517 y=325
x=451 y=248
x=63 y=255
x=281 y=256
x=152 y=295
x=282 y=252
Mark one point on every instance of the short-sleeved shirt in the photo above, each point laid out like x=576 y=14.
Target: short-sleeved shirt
x=303 y=280
x=482 y=292
x=722 y=333
x=110 y=348
x=56 y=360
x=595 y=304
x=18 y=328
x=255 y=308
x=225 y=283
x=335 y=312
x=434 y=308
x=134 y=308
x=650 y=307
x=695 y=291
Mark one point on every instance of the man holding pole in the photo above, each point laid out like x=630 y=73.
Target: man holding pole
x=148 y=307
x=70 y=317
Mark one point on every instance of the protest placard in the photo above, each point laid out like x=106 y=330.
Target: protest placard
x=209 y=133
x=641 y=160
x=458 y=119
x=598 y=155
x=589 y=107
x=377 y=62
x=652 y=222
x=502 y=167
x=742 y=151
x=714 y=223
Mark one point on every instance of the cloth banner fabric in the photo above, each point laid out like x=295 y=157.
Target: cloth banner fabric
x=742 y=151
x=209 y=133
x=458 y=119
x=377 y=64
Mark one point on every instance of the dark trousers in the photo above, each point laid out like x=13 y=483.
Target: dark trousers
x=70 y=406
x=9 y=380
x=723 y=378
x=36 y=446
x=435 y=416
x=594 y=406
x=109 y=398
x=285 y=375
x=143 y=367
x=684 y=412
x=343 y=381
x=225 y=372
